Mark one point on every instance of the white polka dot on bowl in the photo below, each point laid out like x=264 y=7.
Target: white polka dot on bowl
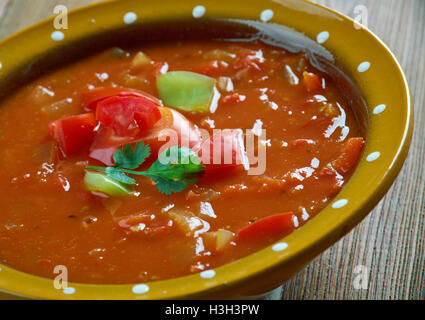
x=379 y=108
x=364 y=66
x=280 y=246
x=140 y=288
x=339 y=204
x=373 y=156
x=130 y=18
x=208 y=274
x=322 y=37
x=266 y=15
x=57 y=36
x=69 y=290
x=198 y=12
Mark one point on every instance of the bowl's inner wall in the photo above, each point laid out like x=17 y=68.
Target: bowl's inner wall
x=138 y=35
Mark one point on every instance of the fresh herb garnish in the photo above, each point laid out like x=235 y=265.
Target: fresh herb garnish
x=131 y=159
x=173 y=171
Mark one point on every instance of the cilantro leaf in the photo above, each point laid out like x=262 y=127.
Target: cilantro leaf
x=175 y=169
x=168 y=186
x=177 y=163
x=172 y=172
x=131 y=159
x=118 y=175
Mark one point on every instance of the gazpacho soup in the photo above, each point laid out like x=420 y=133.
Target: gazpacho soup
x=170 y=158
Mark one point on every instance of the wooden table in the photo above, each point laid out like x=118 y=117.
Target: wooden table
x=390 y=243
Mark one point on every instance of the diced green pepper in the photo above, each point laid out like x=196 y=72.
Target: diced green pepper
x=186 y=90
x=100 y=182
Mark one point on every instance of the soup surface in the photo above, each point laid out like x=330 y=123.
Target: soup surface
x=50 y=215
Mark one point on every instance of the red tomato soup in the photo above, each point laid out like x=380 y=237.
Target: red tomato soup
x=82 y=184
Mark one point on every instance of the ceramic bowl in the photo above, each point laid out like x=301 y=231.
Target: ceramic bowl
x=358 y=51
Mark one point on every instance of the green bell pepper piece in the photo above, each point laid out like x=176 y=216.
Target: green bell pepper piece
x=186 y=90
x=100 y=182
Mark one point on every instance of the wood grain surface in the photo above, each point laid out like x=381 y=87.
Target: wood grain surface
x=390 y=242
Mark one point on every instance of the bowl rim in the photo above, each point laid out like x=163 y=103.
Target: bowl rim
x=224 y=277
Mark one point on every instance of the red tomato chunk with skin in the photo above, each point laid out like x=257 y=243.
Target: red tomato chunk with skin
x=276 y=225
x=74 y=133
x=350 y=152
x=91 y=98
x=127 y=115
x=57 y=212
x=222 y=152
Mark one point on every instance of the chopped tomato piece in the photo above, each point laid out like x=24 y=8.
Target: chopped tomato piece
x=327 y=172
x=107 y=142
x=333 y=189
x=331 y=180
x=209 y=68
x=350 y=153
x=146 y=225
x=128 y=116
x=249 y=59
x=224 y=150
x=276 y=225
x=73 y=134
x=130 y=221
x=312 y=81
x=91 y=98
x=233 y=98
